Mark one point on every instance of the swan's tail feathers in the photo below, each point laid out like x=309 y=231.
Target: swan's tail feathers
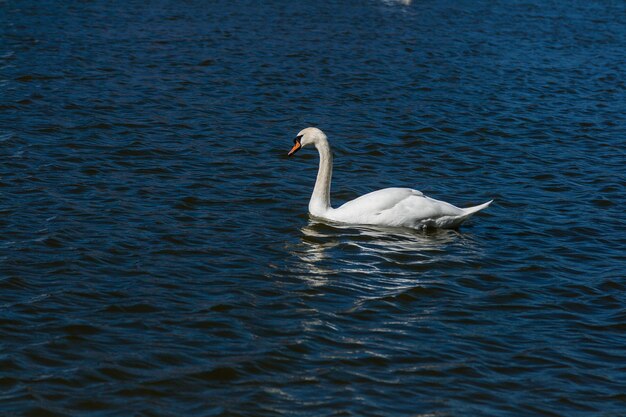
x=471 y=210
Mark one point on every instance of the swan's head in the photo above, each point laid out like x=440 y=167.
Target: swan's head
x=306 y=137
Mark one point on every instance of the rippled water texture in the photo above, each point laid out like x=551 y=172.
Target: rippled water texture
x=156 y=254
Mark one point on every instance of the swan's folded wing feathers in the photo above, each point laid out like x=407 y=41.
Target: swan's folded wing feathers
x=418 y=210
x=402 y=207
x=378 y=201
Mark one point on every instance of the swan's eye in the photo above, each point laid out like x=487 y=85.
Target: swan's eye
x=297 y=139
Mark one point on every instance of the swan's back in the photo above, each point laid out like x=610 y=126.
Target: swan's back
x=379 y=200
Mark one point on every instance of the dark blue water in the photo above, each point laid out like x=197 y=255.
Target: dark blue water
x=157 y=259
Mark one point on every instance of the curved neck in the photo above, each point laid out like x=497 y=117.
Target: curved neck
x=320 y=199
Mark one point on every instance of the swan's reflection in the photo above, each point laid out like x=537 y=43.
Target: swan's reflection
x=329 y=248
x=403 y=2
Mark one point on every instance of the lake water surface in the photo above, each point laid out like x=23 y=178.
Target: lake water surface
x=157 y=259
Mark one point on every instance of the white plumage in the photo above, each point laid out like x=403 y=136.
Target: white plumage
x=396 y=207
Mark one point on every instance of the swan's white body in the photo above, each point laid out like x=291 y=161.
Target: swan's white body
x=396 y=207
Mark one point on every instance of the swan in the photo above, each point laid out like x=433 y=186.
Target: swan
x=395 y=207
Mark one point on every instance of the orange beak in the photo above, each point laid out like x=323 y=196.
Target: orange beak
x=295 y=148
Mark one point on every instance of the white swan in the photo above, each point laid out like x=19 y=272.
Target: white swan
x=396 y=207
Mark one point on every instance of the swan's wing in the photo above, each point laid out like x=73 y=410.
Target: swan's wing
x=377 y=201
x=398 y=207
x=416 y=211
